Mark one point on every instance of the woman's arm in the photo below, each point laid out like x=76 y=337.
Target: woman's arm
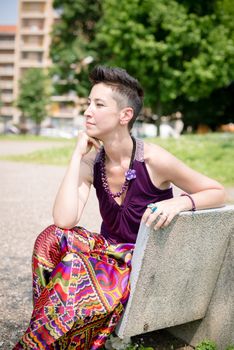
x=74 y=189
x=164 y=168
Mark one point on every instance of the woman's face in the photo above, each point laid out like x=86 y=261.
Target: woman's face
x=102 y=114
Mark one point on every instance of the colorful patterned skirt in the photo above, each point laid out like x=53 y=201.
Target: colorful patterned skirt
x=80 y=288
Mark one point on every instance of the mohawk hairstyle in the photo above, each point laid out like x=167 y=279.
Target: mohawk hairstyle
x=128 y=91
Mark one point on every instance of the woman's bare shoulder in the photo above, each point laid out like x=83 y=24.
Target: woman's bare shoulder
x=155 y=154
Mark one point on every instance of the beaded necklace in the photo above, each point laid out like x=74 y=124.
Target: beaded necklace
x=130 y=174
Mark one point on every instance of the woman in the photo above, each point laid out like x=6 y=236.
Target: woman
x=81 y=279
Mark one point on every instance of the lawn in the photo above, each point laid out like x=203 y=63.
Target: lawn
x=211 y=154
x=28 y=137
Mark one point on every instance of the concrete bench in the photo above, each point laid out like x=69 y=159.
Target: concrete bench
x=182 y=279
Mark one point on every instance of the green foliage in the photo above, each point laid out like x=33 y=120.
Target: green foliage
x=72 y=41
x=230 y=347
x=216 y=109
x=34 y=95
x=181 y=51
x=138 y=347
x=30 y=137
x=52 y=156
x=210 y=154
x=172 y=49
x=206 y=345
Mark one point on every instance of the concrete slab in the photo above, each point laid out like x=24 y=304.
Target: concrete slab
x=218 y=323
x=175 y=270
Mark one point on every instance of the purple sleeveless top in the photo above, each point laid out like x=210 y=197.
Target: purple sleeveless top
x=121 y=222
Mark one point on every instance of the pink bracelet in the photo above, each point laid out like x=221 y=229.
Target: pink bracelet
x=190 y=197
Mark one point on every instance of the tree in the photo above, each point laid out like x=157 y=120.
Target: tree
x=175 y=48
x=73 y=40
x=181 y=51
x=34 y=96
x=214 y=110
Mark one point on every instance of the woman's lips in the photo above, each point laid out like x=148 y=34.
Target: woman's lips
x=89 y=124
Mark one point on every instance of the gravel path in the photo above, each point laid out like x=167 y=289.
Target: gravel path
x=27 y=193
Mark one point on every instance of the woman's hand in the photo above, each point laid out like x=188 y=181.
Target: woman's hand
x=161 y=213
x=85 y=143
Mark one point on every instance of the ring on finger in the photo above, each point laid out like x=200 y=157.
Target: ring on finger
x=164 y=214
x=152 y=207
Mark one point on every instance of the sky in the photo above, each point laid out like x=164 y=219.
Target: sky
x=8 y=11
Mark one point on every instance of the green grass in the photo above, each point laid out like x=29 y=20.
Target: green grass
x=52 y=156
x=211 y=154
x=29 y=137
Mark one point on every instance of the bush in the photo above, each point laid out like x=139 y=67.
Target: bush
x=206 y=345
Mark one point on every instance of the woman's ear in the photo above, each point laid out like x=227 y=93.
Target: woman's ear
x=126 y=115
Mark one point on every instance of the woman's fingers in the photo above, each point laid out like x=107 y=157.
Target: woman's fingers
x=146 y=214
x=161 y=214
x=163 y=221
x=85 y=143
x=168 y=221
x=95 y=142
x=158 y=218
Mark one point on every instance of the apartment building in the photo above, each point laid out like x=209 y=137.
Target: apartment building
x=35 y=19
x=7 y=62
x=27 y=46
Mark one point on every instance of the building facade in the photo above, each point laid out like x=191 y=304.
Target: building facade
x=35 y=19
x=27 y=46
x=7 y=66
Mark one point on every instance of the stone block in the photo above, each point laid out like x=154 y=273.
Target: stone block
x=175 y=271
x=218 y=323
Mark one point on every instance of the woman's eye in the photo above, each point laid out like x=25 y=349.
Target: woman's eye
x=100 y=105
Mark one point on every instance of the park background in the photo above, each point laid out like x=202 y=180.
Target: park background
x=181 y=51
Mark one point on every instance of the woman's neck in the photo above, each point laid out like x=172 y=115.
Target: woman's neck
x=118 y=149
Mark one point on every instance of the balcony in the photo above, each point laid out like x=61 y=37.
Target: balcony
x=32 y=31
x=33 y=14
x=7 y=85
x=7 y=72
x=64 y=98
x=6 y=45
x=32 y=48
x=33 y=1
x=7 y=111
x=7 y=58
x=64 y=113
x=7 y=98
x=31 y=64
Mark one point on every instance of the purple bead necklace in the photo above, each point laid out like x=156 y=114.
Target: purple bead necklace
x=130 y=174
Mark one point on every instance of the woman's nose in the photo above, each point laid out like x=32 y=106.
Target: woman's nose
x=88 y=111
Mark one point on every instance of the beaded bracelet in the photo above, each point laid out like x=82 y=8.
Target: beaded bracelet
x=190 y=197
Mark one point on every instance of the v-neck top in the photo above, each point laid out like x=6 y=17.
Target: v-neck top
x=121 y=222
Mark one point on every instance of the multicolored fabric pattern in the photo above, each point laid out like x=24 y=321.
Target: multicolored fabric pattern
x=80 y=288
